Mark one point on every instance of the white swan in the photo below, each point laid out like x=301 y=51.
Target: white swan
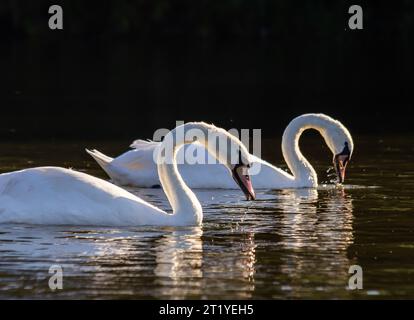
x=52 y=195
x=136 y=167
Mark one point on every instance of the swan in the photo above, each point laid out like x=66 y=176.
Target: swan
x=53 y=195
x=136 y=167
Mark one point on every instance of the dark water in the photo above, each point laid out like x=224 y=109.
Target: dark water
x=287 y=244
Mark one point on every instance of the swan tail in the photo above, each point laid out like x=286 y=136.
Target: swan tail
x=99 y=157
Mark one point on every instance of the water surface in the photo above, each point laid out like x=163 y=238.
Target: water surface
x=287 y=244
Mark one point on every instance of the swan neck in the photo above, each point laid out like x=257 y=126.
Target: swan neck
x=182 y=199
x=303 y=172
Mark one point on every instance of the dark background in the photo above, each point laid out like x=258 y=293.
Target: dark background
x=121 y=69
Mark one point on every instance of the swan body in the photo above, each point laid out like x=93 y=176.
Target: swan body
x=136 y=167
x=53 y=195
x=58 y=196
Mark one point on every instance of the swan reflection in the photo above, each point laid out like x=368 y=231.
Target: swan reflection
x=315 y=223
x=178 y=258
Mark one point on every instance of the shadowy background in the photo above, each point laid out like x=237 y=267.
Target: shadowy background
x=121 y=69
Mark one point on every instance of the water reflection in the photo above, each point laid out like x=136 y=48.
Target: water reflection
x=313 y=217
x=287 y=244
x=311 y=230
x=229 y=265
x=315 y=223
x=179 y=256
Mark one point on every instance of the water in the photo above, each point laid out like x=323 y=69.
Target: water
x=287 y=244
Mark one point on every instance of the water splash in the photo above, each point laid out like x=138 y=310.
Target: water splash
x=331 y=176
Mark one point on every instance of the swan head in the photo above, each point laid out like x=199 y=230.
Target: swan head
x=236 y=158
x=225 y=147
x=340 y=142
x=233 y=154
x=340 y=162
x=240 y=174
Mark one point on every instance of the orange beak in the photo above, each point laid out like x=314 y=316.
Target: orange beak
x=242 y=178
x=340 y=163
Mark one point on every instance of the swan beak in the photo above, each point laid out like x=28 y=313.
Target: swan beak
x=241 y=176
x=340 y=163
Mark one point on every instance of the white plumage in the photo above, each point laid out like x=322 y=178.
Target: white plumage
x=136 y=167
x=52 y=195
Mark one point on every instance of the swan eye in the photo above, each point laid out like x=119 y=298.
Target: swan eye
x=345 y=150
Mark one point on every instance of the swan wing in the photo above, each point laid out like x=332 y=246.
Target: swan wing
x=267 y=176
x=136 y=159
x=51 y=195
x=135 y=167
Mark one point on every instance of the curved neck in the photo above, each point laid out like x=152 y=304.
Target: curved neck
x=183 y=201
x=302 y=170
